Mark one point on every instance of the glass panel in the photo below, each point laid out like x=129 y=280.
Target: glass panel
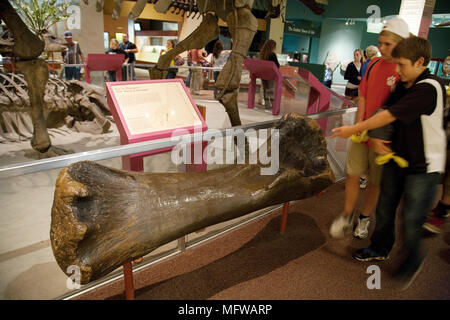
x=27 y=266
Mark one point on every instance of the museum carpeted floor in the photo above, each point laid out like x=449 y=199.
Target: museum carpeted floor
x=256 y=262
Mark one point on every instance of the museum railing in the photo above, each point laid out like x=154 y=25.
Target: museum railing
x=27 y=267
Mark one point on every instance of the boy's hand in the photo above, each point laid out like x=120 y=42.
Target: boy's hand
x=380 y=146
x=343 y=132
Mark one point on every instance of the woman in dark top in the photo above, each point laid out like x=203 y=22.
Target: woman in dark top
x=268 y=53
x=353 y=75
x=114 y=48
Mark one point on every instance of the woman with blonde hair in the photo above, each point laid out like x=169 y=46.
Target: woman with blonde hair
x=114 y=48
x=268 y=53
x=353 y=75
x=219 y=59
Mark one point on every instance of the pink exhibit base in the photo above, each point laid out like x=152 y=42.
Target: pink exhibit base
x=265 y=70
x=104 y=62
x=320 y=97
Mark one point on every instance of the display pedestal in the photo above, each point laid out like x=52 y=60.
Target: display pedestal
x=104 y=62
x=151 y=110
x=265 y=70
x=320 y=96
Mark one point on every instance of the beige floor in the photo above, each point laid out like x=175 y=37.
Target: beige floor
x=27 y=267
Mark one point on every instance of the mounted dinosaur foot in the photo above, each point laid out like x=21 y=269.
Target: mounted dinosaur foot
x=229 y=101
x=156 y=73
x=53 y=151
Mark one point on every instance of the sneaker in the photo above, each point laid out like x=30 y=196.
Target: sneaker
x=368 y=254
x=362 y=183
x=441 y=211
x=342 y=225
x=434 y=224
x=362 y=228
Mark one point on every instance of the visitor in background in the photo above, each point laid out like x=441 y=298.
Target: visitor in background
x=328 y=79
x=268 y=53
x=131 y=49
x=114 y=48
x=196 y=81
x=218 y=60
x=172 y=72
x=353 y=75
x=371 y=52
x=72 y=55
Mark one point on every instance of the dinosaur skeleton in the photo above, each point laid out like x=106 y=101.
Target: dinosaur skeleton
x=77 y=104
x=27 y=47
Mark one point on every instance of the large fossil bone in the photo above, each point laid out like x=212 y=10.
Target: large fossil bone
x=104 y=217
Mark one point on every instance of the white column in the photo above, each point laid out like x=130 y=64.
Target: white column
x=276 y=33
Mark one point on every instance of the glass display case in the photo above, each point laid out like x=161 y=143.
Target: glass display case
x=28 y=269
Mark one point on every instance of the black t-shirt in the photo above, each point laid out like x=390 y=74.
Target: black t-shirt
x=129 y=45
x=273 y=57
x=352 y=74
x=418 y=130
x=117 y=51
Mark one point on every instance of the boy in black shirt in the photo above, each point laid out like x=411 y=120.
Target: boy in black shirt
x=415 y=110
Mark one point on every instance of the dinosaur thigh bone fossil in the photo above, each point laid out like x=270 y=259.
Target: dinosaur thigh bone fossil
x=104 y=217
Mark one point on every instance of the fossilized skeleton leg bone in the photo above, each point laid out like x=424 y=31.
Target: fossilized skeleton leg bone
x=207 y=31
x=99 y=116
x=99 y=5
x=162 y=6
x=26 y=44
x=104 y=217
x=137 y=9
x=242 y=25
x=36 y=75
x=117 y=9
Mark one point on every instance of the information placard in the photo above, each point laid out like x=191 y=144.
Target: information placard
x=152 y=109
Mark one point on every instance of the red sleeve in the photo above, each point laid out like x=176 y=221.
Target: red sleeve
x=363 y=84
x=363 y=87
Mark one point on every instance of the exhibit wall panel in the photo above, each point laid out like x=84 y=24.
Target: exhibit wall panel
x=341 y=39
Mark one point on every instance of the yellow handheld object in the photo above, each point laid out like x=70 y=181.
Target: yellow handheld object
x=382 y=159
x=363 y=137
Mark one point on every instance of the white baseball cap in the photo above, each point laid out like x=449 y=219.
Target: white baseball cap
x=397 y=26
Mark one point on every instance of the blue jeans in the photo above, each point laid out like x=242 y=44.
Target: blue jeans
x=172 y=73
x=418 y=191
x=72 y=73
x=188 y=79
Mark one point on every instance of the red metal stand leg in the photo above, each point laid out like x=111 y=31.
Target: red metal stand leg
x=284 y=216
x=128 y=280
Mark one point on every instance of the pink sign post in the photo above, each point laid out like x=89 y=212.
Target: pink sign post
x=266 y=70
x=320 y=97
x=104 y=62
